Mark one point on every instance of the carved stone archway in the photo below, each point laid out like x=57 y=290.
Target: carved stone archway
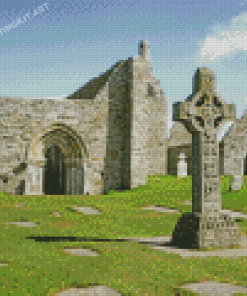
x=56 y=163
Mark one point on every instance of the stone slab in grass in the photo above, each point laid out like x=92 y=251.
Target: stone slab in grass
x=187 y=202
x=170 y=210
x=19 y=205
x=204 y=288
x=154 y=240
x=162 y=244
x=81 y=252
x=3 y=263
x=92 y=291
x=215 y=288
x=87 y=210
x=23 y=224
x=224 y=253
x=57 y=214
x=227 y=252
x=161 y=209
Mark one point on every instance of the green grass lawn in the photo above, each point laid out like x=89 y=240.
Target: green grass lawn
x=43 y=268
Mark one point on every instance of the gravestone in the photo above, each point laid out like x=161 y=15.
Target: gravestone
x=181 y=166
x=202 y=113
x=238 y=178
x=236 y=182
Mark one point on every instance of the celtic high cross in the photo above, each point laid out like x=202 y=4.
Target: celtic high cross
x=202 y=114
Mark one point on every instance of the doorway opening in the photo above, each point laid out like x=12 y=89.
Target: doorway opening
x=54 y=171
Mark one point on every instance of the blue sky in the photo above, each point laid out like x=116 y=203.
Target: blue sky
x=57 y=48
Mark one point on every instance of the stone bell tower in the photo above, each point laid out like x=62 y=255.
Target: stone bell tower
x=144 y=49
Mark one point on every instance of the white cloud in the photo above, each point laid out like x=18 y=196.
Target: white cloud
x=225 y=40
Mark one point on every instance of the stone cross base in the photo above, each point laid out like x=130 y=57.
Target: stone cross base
x=199 y=230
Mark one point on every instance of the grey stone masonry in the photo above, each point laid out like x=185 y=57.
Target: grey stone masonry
x=202 y=113
x=108 y=135
x=234 y=146
x=148 y=112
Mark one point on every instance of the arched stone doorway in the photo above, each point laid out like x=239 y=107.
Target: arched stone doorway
x=54 y=171
x=56 y=163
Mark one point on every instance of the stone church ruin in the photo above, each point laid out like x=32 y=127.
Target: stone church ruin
x=110 y=134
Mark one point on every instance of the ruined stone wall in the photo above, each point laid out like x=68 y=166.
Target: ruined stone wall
x=157 y=142
x=179 y=135
x=92 y=87
x=117 y=164
x=148 y=128
x=235 y=148
x=22 y=120
x=112 y=131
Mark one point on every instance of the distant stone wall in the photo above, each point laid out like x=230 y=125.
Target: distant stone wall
x=235 y=148
x=229 y=153
x=174 y=152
